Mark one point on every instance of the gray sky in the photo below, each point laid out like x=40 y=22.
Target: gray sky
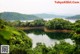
x=39 y=6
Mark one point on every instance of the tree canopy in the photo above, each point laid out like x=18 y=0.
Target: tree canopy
x=58 y=24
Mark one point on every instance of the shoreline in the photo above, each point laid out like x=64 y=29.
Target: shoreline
x=43 y=28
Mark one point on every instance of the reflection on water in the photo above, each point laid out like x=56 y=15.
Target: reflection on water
x=41 y=38
x=47 y=37
x=58 y=35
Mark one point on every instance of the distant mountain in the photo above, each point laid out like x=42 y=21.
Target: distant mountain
x=43 y=15
x=74 y=17
x=17 y=16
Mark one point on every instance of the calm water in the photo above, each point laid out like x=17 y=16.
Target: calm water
x=71 y=20
x=48 y=38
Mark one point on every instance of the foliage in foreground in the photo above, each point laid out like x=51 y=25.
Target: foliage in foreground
x=17 y=39
x=61 y=48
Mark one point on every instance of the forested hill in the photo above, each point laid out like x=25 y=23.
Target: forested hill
x=17 y=16
x=74 y=17
x=44 y=15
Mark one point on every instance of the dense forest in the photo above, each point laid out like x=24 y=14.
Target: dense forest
x=20 y=43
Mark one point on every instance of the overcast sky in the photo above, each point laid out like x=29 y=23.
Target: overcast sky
x=38 y=6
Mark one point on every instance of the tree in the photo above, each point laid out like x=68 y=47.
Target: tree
x=77 y=26
x=64 y=48
x=58 y=23
x=37 y=23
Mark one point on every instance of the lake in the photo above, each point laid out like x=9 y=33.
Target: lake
x=48 y=38
x=71 y=20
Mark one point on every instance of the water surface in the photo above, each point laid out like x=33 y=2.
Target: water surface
x=48 y=38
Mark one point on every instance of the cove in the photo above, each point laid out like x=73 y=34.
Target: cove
x=48 y=38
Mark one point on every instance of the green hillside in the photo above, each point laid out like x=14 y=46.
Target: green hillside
x=17 y=16
x=74 y=17
x=44 y=15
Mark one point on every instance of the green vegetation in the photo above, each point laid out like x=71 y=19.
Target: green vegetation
x=61 y=48
x=20 y=43
x=55 y=24
x=17 y=39
x=17 y=16
x=76 y=35
x=74 y=17
x=77 y=26
x=35 y=23
x=44 y=15
x=58 y=24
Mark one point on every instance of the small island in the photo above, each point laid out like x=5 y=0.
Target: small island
x=55 y=25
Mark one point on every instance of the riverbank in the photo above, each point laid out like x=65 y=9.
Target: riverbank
x=47 y=30
x=28 y=28
x=43 y=28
